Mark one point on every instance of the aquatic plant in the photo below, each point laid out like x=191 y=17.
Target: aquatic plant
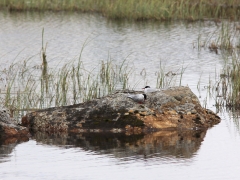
x=227 y=87
x=224 y=38
x=225 y=41
x=167 y=79
x=36 y=87
x=28 y=87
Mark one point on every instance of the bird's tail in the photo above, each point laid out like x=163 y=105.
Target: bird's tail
x=129 y=96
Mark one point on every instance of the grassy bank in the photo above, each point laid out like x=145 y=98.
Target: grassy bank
x=135 y=9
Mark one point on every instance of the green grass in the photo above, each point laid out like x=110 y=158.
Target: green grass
x=28 y=87
x=135 y=9
x=36 y=87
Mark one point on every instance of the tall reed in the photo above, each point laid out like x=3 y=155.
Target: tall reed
x=28 y=87
x=224 y=38
x=227 y=87
x=68 y=84
x=170 y=78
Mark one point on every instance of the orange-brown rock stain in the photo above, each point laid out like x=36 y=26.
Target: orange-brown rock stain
x=160 y=121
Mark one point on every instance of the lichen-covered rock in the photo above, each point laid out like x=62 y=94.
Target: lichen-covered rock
x=5 y=116
x=173 y=108
x=9 y=126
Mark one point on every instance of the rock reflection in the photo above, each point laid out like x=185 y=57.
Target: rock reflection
x=179 y=144
x=7 y=145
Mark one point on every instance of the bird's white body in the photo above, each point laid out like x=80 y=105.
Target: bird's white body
x=148 y=89
x=139 y=98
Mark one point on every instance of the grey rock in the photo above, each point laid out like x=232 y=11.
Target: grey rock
x=172 y=108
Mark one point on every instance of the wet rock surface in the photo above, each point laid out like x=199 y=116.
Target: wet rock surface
x=10 y=130
x=175 y=108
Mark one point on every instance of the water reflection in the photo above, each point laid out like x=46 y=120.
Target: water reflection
x=159 y=144
x=7 y=145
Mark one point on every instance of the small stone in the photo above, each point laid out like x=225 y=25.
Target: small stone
x=131 y=111
x=128 y=127
x=137 y=129
x=126 y=114
x=82 y=121
x=119 y=130
x=113 y=130
x=79 y=125
x=143 y=113
x=193 y=111
x=188 y=113
x=172 y=112
x=180 y=112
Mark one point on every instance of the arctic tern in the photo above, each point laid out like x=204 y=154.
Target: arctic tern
x=139 y=98
x=148 y=89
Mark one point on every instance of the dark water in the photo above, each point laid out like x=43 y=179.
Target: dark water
x=165 y=155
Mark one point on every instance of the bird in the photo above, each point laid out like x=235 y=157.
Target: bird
x=148 y=89
x=139 y=98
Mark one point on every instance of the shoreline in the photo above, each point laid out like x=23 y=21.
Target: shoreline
x=133 y=9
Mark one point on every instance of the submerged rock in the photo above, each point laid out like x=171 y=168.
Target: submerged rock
x=175 y=108
x=10 y=130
